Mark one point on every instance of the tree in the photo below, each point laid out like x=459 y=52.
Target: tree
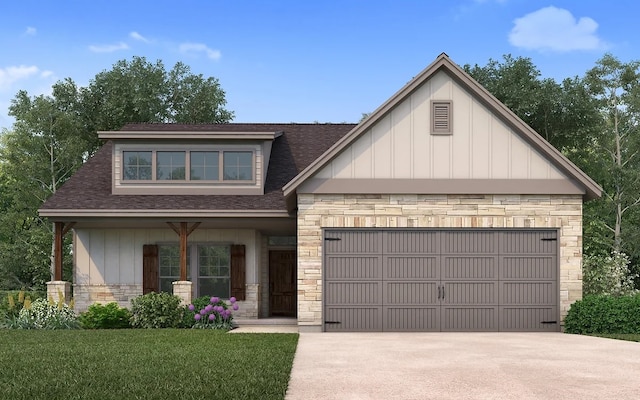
x=53 y=136
x=613 y=160
x=563 y=114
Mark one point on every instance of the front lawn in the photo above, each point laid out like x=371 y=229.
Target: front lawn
x=144 y=364
x=632 y=337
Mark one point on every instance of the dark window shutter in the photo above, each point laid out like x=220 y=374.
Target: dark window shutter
x=238 y=274
x=150 y=280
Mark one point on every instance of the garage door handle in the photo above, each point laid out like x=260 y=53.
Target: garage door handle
x=332 y=322
x=439 y=292
x=548 y=322
x=442 y=292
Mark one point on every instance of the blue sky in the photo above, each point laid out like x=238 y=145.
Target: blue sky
x=299 y=60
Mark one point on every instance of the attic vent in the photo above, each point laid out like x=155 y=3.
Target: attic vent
x=441 y=117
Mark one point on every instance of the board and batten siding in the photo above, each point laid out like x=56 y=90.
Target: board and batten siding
x=114 y=256
x=401 y=146
x=108 y=262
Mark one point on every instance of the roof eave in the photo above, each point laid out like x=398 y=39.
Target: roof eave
x=92 y=213
x=151 y=135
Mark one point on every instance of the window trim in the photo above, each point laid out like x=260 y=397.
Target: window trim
x=154 y=165
x=435 y=129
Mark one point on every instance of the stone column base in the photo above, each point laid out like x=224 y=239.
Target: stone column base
x=183 y=289
x=59 y=291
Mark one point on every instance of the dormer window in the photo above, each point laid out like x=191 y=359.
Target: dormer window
x=170 y=165
x=205 y=165
x=214 y=166
x=238 y=166
x=198 y=162
x=137 y=165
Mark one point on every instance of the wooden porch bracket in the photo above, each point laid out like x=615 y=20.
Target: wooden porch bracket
x=183 y=231
x=59 y=229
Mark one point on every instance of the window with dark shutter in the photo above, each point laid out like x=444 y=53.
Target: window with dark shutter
x=150 y=279
x=238 y=275
x=441 y=117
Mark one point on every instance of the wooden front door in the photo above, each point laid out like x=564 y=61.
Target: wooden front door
x=282 y=282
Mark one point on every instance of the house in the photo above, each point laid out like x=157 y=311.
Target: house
x=440 y=211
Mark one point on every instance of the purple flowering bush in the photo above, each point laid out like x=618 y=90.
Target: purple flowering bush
x=212 y=313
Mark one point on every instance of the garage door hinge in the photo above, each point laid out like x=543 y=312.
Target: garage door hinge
x=332 y=239
x=548 y=322
x=548 y=239
x=332 y=322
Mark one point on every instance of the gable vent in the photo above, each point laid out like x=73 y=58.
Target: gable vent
x=441 y=117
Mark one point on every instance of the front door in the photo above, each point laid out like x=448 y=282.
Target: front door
x=282 y=283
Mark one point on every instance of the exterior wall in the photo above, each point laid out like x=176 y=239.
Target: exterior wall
x=400 y=145
x=108 y=263
x=317 y=211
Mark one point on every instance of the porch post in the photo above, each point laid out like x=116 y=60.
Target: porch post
x=59 y=229
x=183 y=288
x=183 y=251
x=57 y=250
x=57 y=287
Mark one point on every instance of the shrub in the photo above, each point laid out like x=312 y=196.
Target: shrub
x=604 y=314
x=43 y=314
x=156 y=310
x=607 y=275
x=12 y=301
x=107 y=316
x=212 y=313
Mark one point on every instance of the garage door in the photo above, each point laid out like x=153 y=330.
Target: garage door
x=440 y=280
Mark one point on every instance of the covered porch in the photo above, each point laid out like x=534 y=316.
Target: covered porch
x=114 y=259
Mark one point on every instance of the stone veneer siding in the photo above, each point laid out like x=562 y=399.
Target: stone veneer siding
x=86 y=295
x=317 y=211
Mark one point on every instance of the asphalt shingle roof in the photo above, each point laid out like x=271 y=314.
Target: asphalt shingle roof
x=300 y=144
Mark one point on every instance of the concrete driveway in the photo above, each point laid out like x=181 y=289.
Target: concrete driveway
x=463 y=366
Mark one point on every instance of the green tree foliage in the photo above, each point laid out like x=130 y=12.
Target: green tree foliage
x=53 y=135
x=562 y=113
x=612 y=157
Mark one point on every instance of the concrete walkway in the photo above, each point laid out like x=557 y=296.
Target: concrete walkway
x=463 y=366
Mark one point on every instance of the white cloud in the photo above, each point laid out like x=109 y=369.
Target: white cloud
x=31 y=31
x=9 y=75
x=200 y=48
x=135 y=35
x=555 y=29
x=109 y=48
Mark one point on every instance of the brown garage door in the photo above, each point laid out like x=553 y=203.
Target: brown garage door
x=440 y=280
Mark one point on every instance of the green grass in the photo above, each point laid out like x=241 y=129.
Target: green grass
x=632 y=337
x=144 y=364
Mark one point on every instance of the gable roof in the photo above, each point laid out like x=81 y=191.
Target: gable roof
x=443 y=63
x=89 y=191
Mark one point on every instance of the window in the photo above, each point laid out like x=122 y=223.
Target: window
x=169 y=260
x=214 y=271
x=238 y=166
x=441 y=117
x=205 y=165
x=212 y=267
x=137 y=165
x=170 y=165
x=229 y=166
